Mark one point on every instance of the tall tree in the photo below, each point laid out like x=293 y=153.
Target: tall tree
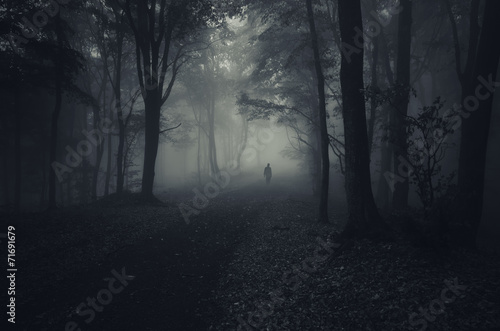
x=398 y=115
x=386 y=149
x=156 y=25
x=363 y=215
x=324 y=139
x=477 y=98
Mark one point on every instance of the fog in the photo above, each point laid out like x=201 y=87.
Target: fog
x=92 y=110
x=177 y=167
x=250 y=164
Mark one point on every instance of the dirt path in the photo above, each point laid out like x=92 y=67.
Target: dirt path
x=224 y=265
x=175 y=274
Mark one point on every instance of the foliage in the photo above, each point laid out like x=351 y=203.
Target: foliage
x=428 y=133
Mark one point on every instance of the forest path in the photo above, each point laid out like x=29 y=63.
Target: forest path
x=219 y=270
x=177 y=271
x=176 y=267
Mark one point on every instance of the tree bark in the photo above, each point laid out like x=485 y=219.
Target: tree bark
x=17 y=153
x=325 y=160
x=398 y=115
x=386 y=148
x=55 y=114
x=99 y=153
x=363 y=216
x=476 y=125
x=153 y=39
x=119 y=111
x=243 y=143
x=109 y=170
x=374 y=87
x=152 y=134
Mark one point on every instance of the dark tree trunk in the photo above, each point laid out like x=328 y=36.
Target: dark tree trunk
x=99 y=153
x=214 y=167
x=55 y=114
x=398 y=115
x=383 y=188
x=152 y=135
x=43 y=187
x=119 y=111
x=475 y=128
x=6 y=177
x=363 y=215
x=325 y=161
x=153 y=38
x=315 y=136
x=386 y=148
x=17 y=152
x=198 y=156
x=121 y=145
x=109 y=170
x=374 y=87
x=243 y=143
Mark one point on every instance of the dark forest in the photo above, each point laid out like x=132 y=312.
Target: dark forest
x=250 y=164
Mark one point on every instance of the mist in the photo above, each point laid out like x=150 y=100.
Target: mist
x=250 y=164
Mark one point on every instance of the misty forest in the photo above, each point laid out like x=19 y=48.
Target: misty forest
x=250 y=164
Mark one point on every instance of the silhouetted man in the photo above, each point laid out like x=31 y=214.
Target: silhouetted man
x=268 y=174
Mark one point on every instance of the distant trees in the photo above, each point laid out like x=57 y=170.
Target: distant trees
x=159 y=30
x=282 y=61
x=289 y=83
x=33 y=62
x=209 y=94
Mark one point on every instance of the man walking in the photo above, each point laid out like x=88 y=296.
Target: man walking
x=268 y=174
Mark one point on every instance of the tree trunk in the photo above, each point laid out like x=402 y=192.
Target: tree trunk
x=108 y=163
x=475 y=128
x=99 y=153
x=386 y=148
x=398 y=115
x=315 y=136
x=121 y=144
x=214 y=167
x=373 y=101
x=363 y=218
x=119 y=110
x=43 y=186
x=55 y=114
x=152 y=135
x=325 y=160
x=17 y=153
x=6 y=177
x=198 y=156
x=243 y=143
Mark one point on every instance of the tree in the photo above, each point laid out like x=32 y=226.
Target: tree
x=478 y=88
x=363 y=215
x=397 y=118
x=158 y=30
x=324 y=139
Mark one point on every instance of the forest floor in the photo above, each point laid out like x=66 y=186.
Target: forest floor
x=243 y=263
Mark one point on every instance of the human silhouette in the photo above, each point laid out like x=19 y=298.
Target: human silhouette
x=268 y=174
